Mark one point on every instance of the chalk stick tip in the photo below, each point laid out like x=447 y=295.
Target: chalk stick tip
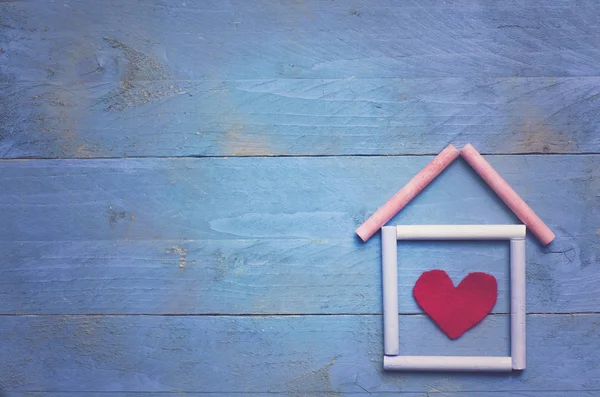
x=467 y=148
x=452 y=147
x=363 y=233
x=548 y=238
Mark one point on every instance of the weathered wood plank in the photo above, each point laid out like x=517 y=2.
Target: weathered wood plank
x=308 y=39
x=139 y=78
x=543 y=393
x=279 y=354
x=230 y=276
x=245 y=394
x=271 y=117
x=537 y=393
x=273 y=235
x=273 y=198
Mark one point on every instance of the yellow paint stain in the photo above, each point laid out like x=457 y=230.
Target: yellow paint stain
x=240 y=142
x=538 y=137
x=59 y=117
x=183 y=253
x=240 y=134
x=222 y=268
x=85 y=151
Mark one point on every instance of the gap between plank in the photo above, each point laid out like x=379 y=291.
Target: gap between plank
x=311 y=392
x=289 y=156
x=273 y=314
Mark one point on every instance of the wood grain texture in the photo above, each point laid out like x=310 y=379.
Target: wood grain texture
x=274 y=235
x=537 y=393
x=242 y=276
x=306 y=39
x=279 y=354
x=269 y=394
x=299 y=117
x=239 y=277
x=153 y=78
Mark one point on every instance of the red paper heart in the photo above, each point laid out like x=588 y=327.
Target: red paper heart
x=456 y=309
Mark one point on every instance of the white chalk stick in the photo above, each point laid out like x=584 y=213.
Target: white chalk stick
x=459 y=232
x=446 y=363
x=389 y=269
x=517 y=303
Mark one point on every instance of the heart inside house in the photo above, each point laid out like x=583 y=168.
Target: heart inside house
x=456 y=309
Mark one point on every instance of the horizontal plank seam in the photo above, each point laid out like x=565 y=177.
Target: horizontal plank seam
x=314 y=78
x=441 y=393
x=289 y=156
x=268 y=314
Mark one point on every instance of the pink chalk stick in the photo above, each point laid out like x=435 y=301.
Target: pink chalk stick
x=508 y=195
x=407 y=193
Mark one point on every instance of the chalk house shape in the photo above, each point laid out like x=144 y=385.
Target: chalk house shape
x=390 y=235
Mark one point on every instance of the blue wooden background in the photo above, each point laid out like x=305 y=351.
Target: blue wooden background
x=181 y=180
